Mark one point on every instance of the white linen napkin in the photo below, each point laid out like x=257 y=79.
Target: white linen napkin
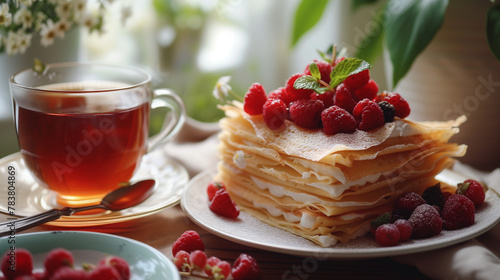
x=479 y=258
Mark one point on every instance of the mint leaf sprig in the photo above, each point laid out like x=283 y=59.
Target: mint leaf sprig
x=343 y=70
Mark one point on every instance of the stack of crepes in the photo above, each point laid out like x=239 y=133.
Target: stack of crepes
x=327 y=188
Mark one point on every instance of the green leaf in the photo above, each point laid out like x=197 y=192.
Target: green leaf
x=346 y=68
x=321 y=90
x=313 y=68
x=409 y=29
x=356 y=4
x=372 y=45
x=493 y=29
x=308 y=82
x=307 y=15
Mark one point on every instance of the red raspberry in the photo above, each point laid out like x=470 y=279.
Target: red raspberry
x=57 y=258
x=254 y=99
x=307 y=112
x=221 y=270
x=358 y=80
x=68 y=273
x=344 y=98
x=189 y=241
x=400 y=104
x=211 y=263
x=293 y=94
x=198 y=260
x=405 y=229
x=246 y=268
x=279 y=93
x=407 y=203
x=368 y=115
x=387 y=235
x=458 y=212
x=326 y=98
x=275 y=113
x=338 y=60
x=433 y=196
x=369 y=90
x=337 y=120
x=120 y=264
x=213 y=187
x=223 y=205
x=21 y=259
x=473 y=190
x=104 y=272
x=425 y=221
x=324 y=68
x=181 y=261
x=380 y=220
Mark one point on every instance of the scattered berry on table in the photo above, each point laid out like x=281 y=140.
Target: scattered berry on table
x=213 y=187
x=405 y=229
x=387 y=235
x=307 y=112
x=458 y=212
x=400 y=104
x=324 y=68
x=23 y=261
x=189 y=241
x=57 y=258
x=254 y=99
x=388 y=110
x=181 y=261
x=221 y=270
x=425 y=221
x=246 y=268
x=344 y=98
x=368 y=115
x=337 y=120
x=473 y=190
x=275 y=113
x=369 y=91
x=198 y=260
x=358 y=80
x=211 y=263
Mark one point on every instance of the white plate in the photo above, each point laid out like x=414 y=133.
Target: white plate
x=90 y=247
x=31 y=198
x=250 y=231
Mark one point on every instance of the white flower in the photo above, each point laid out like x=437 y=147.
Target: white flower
x=239 y=159
x=26 y=3
x=48 y=33
x=126 y=13
x=221 y=90
x=23 y=41
x=5 y=16
x=61 y=27
x=79 y=8
x=12 y=44
x=23 y=16
x=64 y=9
x=88 y=20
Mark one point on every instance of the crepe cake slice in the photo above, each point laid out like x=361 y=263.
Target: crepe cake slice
x=313 y=185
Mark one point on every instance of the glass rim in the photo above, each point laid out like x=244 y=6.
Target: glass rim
x=147 y=77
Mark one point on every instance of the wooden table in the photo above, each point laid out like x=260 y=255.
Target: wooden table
x=160 y=230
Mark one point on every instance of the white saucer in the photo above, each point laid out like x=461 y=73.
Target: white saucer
x=250 y=231
x=31 y=198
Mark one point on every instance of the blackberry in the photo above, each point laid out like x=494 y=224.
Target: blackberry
x=388 y=110
x=433 y=196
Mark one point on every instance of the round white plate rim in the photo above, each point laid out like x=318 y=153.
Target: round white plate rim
x=115 y=217
x=50 y=236
x=197 y=186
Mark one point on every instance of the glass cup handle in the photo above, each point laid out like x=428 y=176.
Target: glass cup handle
x=173 y=120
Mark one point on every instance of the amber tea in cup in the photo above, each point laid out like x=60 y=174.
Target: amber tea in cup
x=83 y=128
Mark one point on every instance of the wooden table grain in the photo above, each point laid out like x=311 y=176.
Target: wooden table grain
x=160 y=230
